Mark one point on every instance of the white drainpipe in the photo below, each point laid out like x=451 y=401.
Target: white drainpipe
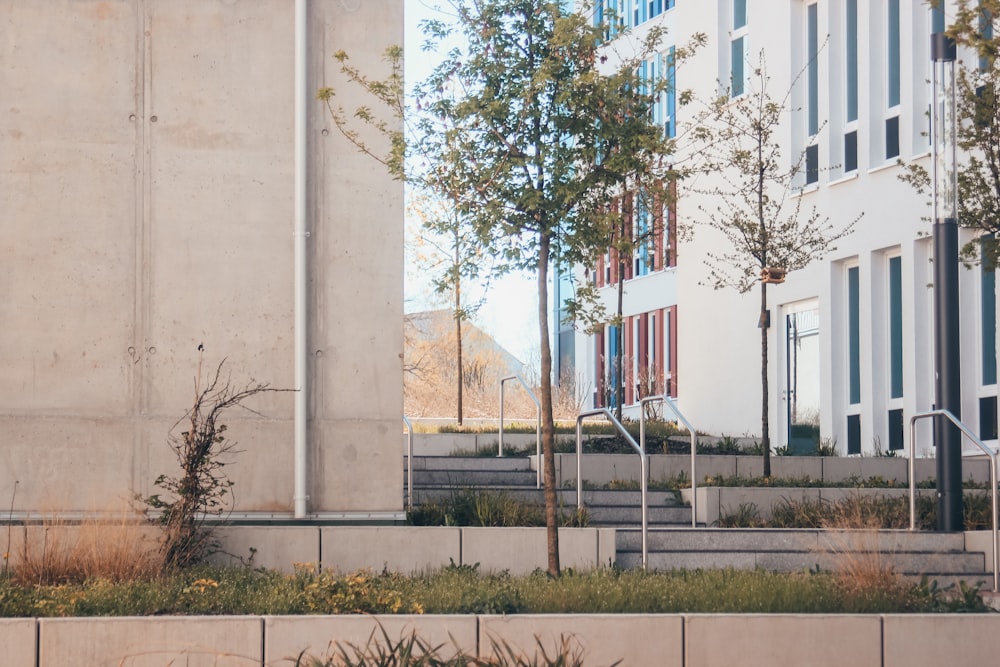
x=301 y=234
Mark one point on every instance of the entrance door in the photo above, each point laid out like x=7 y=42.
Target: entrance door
x=802 y=380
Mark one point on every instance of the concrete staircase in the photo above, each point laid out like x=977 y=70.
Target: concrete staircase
x=673 y=544
x=435 y=478
x=940 y=556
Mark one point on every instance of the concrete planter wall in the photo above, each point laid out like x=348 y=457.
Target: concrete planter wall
x=669 y=640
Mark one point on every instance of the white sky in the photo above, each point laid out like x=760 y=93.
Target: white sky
x=510 y=311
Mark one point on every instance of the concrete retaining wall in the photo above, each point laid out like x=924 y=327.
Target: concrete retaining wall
x=670 y=640
x=602 y=468
x=154 y=214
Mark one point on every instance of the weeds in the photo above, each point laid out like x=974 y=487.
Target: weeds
x=202 y=490
x=486 y=507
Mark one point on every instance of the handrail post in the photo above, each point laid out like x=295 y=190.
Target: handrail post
x=538 y=426
x=409 y=462
x=993 y=479
x=643 y=488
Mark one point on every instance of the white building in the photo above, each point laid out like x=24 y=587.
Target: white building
x=851 y=336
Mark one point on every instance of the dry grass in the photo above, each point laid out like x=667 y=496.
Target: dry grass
x=121 y=547
x=862 y=555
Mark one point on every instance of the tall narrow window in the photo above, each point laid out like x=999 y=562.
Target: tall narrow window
x=812 y=68
x=895 y=327
x=854 y=335
x=670 y=122
x=851 y=56
x=988 y=326
x=892 y=78
x=738 y=48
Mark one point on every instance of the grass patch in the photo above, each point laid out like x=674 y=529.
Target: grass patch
x=488 y=507
x=464 y=590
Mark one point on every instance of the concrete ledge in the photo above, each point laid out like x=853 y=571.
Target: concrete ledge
x=405 y=549
x=272 y=547
x=226 y=641
x=780 y=640
x=285 y=637
x=671 y=640
x=603 y=639
x=524 y=550
x=17 y=637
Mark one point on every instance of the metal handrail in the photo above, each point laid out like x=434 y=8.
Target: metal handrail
x=694 y=444
x=538 y=426
x=643 y=470
x=993 y=478
x=409 y=462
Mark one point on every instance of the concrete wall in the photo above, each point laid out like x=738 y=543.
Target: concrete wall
x=671 y=640
x=146 y=175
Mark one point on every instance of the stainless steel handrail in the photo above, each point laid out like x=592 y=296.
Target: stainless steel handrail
x=538 y=426
x=409 y=462
x=993 y=479
x=694 y=444
x=643 y=469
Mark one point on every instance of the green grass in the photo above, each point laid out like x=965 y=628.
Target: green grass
x=464 y=590
x=487 y=507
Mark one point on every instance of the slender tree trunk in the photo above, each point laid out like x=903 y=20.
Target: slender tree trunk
x=548 y=429
x=765 y=426
x=458 y=332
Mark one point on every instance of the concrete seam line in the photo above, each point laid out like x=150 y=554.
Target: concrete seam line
x=263 y=642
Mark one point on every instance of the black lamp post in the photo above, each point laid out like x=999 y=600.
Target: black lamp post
x=947 y=437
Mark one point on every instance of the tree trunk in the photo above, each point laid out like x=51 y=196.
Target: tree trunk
x=765 y=427
x=458 y=342
x=548 y=450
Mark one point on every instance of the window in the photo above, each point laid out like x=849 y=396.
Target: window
x=850 y=86
x=738 y=49
x=895 y=328
x=812 y=164
x=854 y=335
x=853 y=434
x=851 y=56
x=812 y=67
x=895 y=430
x=892 y=79
x=851 y=151
x=988 y=325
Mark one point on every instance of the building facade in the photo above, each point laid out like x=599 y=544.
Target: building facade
x=850 y=340
x=149 y=220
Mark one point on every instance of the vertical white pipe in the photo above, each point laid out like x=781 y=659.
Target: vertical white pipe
x=300 y=236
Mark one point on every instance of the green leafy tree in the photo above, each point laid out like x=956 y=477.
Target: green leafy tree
x=978 y=120
x=530 y=132
x=544 y=134
x=754 y=206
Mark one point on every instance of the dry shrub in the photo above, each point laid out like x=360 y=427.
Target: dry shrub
x=862 y=553
x=120 y=547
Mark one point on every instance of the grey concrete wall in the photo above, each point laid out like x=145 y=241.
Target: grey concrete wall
x=146 y=181
x=672 y=640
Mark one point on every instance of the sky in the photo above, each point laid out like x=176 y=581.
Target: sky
x=509 y=313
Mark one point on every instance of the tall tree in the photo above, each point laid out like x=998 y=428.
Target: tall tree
x=766 y=230
x=544 y=134
x=530 y=132
x=978 y=138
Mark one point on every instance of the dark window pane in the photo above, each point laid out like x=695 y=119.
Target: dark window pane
x=854 y=335
x=891 y=137
x=851 y=151
x=812 y=164
x=895 y=430
x=988 y=418
x=895 y=327
x=853 y=434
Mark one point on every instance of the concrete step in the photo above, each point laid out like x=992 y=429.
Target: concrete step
x=784 y=539
x=970 y=565
x=940 y=556
x=506 y=463
x=632 y=516
x=566 y=498
x=473 y=478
